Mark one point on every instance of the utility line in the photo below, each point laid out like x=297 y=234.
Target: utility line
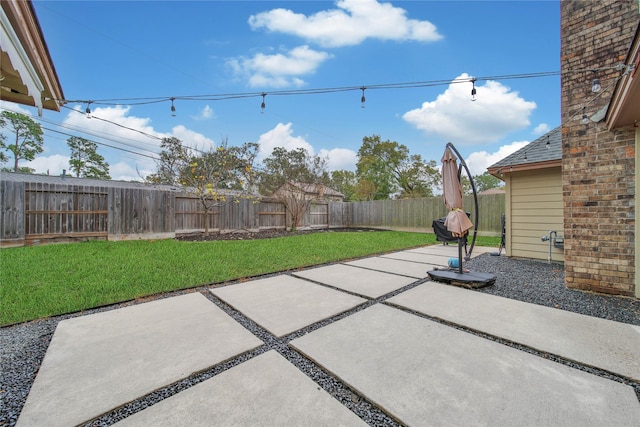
x=82 y=131
x=117 y=124
x=97 y=135
x=102 y=143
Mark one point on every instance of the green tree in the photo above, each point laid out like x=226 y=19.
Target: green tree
x=85 y=160
x=376 y=162
x=417 y=178
x=286 y=174
x=3 y=138
x=386 y=168
x=365 y=190
x=172 y=164
x=486 y=181
x=345 y=182
x=27 y=140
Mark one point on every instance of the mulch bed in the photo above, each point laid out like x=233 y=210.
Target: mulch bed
x=263 y=234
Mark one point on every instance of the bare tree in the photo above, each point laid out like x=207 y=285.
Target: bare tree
x=295 y=178
x=210 y=175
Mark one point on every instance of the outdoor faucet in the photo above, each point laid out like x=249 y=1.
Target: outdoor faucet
x=550 y=239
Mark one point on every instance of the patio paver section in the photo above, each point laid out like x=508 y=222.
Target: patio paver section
x=451 y=250
x=264 y=391
x=426 y=373
x=393 y=266
x=99 y=362
x=605 y=344
x=372 y=284
x=283 y=304
x=427 y=259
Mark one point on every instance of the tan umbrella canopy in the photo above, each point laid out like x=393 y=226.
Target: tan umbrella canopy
x=457 y=221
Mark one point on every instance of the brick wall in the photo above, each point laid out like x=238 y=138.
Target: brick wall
x=598 y=166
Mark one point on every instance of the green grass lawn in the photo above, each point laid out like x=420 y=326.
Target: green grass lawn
x=41 y=281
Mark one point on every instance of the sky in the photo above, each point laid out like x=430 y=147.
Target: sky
x=125 y=60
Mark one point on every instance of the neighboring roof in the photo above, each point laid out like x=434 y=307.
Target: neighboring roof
x=90 y=182
x=624 y=108
x=543 y=152
x=70 y=180
x=27 y=71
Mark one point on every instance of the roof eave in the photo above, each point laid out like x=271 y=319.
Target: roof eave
x=23 y=30
x=623 y=108
x=499 y=171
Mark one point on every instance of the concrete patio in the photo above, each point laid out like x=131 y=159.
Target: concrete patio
x=424 y=353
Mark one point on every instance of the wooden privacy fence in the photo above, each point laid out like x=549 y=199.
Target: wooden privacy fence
x=72 y=211
x=33 y=212
x=416 y=214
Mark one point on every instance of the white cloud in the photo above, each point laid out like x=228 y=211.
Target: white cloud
x=116 y=125
x=117 y=128
x=16 y=108
x=123 y=171
x=541 y=129
x=350 y=24
x=192 y=139
x=281 y=136
x=205 y=114
x=479 y=161
x=453 y=116
x=340 y=158
x=51 y=165
x=280 y=69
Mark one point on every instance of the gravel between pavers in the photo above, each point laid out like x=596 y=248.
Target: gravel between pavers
x=22 y=347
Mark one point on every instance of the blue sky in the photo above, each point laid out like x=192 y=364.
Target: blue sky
x=134 y=52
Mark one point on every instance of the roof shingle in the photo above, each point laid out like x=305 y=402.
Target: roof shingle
x=544 y=149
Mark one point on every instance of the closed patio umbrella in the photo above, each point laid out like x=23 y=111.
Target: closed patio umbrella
x=457 y=221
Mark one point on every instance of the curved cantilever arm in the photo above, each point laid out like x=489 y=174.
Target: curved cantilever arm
x=475 y=197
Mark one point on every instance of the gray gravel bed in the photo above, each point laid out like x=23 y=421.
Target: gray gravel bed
x=22 y=347
x=542 y=283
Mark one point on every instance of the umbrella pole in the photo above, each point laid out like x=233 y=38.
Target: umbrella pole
x=460 y=255
x=463 y=164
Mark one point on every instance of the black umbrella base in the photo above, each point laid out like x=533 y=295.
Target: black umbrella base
x=467 y=279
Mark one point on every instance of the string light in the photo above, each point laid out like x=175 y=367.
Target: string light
x=363 y=99
x=88 y=110
x=548 y=143
x=173 y=108
x=473 y=89
x=585 y=119
x=382 y=86
x=263 y=105
x=595 y=86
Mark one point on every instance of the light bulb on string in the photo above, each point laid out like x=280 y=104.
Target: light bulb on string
x=263 y=105
x=473 y=89
x=585 y=119
x=362 y=99
x=173 y=108
x=548 y=143
x=88 y=110
x=595 y=85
